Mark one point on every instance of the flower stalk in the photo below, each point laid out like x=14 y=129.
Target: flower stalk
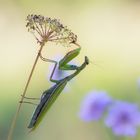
x=23 y=95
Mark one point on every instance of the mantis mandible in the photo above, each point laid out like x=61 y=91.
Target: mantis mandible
x=49 y=96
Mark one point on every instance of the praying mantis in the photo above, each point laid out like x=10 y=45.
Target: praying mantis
x=46 y=29
x=49 y=96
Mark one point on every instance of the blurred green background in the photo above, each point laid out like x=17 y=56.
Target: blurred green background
x=109 y=33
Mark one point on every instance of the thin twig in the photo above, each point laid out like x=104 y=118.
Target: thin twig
x=10 y=134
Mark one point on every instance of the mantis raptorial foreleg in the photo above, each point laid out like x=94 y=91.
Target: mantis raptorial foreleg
x=63 y=63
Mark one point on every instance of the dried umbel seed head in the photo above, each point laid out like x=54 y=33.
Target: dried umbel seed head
x=46 y=29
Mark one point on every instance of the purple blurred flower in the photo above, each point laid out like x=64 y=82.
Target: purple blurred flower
x=123 y=118
x=94 y=105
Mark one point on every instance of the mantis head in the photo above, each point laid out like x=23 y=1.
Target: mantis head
x=86 y=60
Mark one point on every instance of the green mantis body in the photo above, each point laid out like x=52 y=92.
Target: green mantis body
x=49 y=96
x=45 y=30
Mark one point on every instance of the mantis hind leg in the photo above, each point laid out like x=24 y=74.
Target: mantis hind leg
x=28 y=102
x=63 y=63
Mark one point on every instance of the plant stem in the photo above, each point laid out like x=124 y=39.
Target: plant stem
x=10 y=134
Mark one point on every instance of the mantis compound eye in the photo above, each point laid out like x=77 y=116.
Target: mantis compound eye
x=86 y=60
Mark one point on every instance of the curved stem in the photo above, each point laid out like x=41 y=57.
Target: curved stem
x=10 y=134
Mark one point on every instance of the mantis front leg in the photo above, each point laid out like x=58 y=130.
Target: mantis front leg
x=63 y=63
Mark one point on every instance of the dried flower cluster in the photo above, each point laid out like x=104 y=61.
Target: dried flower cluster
x=46 y=29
